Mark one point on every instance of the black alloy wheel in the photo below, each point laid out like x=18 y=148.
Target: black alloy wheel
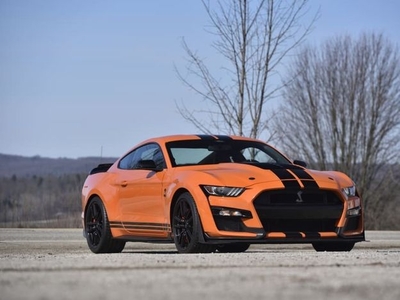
x=97 y=227
x=186 y=226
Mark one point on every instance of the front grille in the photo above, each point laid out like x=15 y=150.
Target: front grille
x=290 y=210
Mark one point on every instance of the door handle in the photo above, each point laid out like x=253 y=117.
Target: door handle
x=124 y=183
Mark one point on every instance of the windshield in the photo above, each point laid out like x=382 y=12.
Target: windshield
x=203 y=152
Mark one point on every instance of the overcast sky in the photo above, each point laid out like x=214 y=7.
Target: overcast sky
x=84 y=78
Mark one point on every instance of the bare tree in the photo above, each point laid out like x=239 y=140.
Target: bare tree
x=341 y=110
x=253 y=38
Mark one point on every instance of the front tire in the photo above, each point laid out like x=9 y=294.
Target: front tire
x=333 y=246
x=97 y=227
x=186 y=226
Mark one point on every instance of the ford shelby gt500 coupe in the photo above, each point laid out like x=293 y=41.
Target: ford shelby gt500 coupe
x=219 y=193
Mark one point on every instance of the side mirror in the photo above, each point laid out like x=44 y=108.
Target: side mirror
x=300 y=163
x=147 y=164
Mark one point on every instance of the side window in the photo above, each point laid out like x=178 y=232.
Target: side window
x=126 y=162
x=146 y=152
x=159 y=158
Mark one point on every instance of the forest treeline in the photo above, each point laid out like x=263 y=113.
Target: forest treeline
x=22 y=166
x=41 y=201
x=43 y=192
x=52 y=199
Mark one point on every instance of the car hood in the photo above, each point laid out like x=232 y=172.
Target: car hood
x=251 y=174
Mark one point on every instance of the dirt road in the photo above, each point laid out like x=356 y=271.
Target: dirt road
x=56 y=264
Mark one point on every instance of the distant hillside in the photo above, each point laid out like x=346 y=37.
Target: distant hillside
x=21 y=166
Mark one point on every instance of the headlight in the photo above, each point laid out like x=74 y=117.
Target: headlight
x=353 y=203
x=223 y=190
x=349 y=191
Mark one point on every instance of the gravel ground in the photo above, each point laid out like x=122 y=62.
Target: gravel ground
x=57 y=264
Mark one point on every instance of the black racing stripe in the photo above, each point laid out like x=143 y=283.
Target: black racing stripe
x=223 y=137
x=283 y=174
x=306 y=179
x=287 y=178
x=301 y=174
x=207 y=137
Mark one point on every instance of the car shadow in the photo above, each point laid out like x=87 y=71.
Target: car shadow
x=149 y=252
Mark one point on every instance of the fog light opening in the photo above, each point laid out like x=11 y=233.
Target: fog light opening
x=354 y=211
x=230 y=213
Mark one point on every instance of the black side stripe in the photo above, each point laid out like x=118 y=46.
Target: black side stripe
x=117 y=224
x=140 y=225
x=287 y=178
x=306 y=179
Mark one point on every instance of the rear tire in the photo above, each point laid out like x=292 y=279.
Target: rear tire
x=333 y=246
x=97 y=227
x=186 y=226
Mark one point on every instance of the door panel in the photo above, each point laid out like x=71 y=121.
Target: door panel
x=141 y=201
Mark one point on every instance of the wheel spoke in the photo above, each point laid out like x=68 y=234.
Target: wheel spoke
x=180 y=237
x=93 y=238
x=94 y=211
x=98 y=215
x=91 y=229
x=182 y=210
x=189 y=236
x=188 y=212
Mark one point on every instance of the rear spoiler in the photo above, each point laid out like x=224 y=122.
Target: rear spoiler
x=100 y=168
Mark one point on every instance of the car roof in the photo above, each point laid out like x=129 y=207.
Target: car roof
x=162 y=140
x=183 y=137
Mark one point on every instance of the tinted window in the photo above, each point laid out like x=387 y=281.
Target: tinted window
x=146 y=152
x=200 y=152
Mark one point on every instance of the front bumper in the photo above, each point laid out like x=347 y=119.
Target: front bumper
x=287 y=238
x=277 y=216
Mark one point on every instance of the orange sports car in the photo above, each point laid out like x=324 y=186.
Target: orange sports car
x=219 y=193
